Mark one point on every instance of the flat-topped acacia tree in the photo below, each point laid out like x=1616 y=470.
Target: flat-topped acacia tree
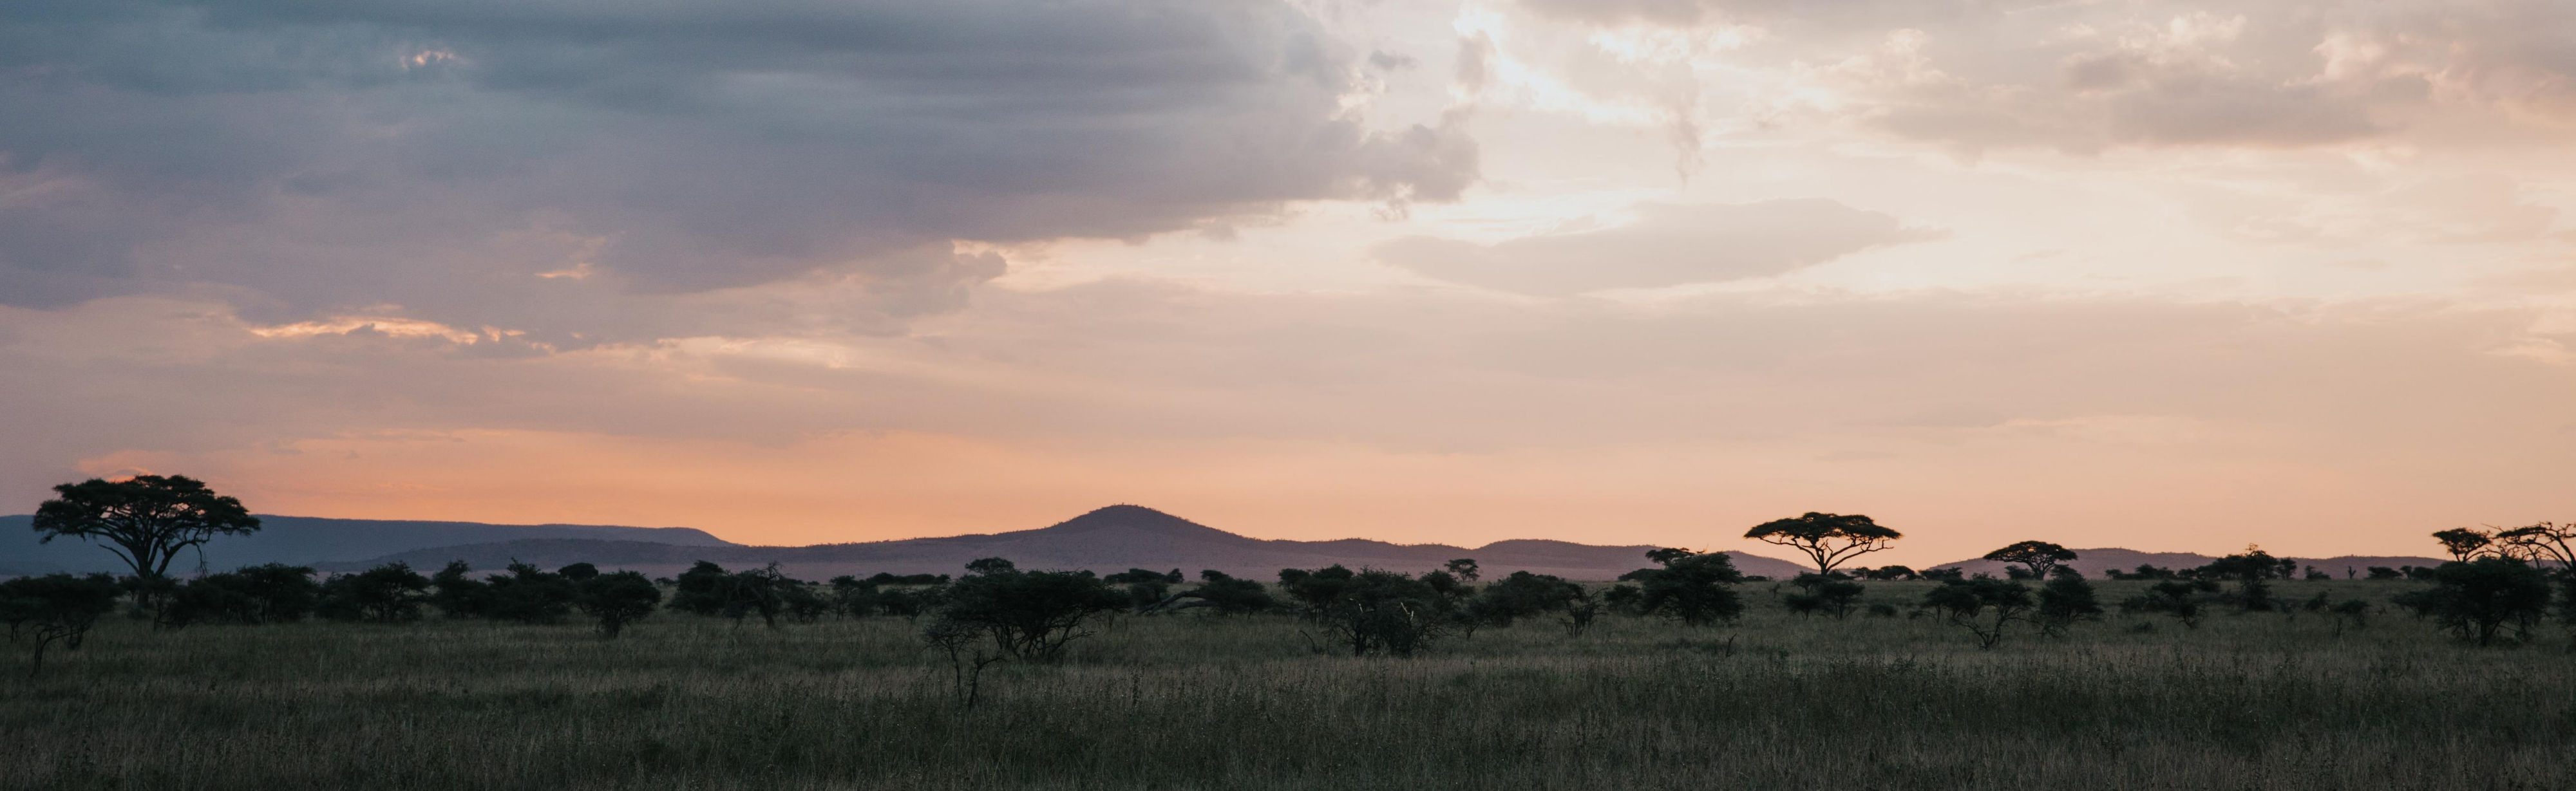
x=2040 y=556
x=1827 y=539
x=146 y=519
x=2465 y=543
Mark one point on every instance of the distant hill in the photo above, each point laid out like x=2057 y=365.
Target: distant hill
x=313 y=540
x=2094 y=562
x=1110 y=539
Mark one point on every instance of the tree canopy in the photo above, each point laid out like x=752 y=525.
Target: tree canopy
x=1695 y=589
x=2464 y=542
x=1826 y=539
x=55 y=608
x=146 y=520
x=2478 y=599
x=2040 y=557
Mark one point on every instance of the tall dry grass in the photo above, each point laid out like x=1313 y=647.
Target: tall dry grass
x=2244 y=702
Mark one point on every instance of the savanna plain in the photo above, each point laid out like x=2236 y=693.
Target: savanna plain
x=1193 y=700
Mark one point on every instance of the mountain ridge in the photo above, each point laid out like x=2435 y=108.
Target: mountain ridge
x=1108 y=539
x=307 y=540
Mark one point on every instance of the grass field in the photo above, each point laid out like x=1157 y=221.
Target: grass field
x=2244 y=702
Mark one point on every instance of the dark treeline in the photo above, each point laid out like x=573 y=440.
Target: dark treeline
x=2500 y=586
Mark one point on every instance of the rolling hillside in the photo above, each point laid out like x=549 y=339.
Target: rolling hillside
x=1110 y=539
x=313 y=540
x=2093 y=562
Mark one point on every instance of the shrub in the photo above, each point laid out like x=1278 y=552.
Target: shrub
x=263 y=594
x=2182 y=599
x=1695 y=589
x=1829 y=594
x=1520 y=595
x=1383 y=612
x=55 y=608
x=1982 y=606
x=459 y=594
x=529 y=595
x=2476 y=600
x=385 y=594
x=1027 y=614
x=2063 y=601
x=617 y=599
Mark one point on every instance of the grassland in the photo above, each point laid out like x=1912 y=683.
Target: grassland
x=2244 y=702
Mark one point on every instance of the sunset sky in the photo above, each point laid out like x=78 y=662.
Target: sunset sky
x=2165 y=275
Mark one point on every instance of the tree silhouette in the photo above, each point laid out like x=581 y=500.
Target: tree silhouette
x=1463 y=568
x=2040 y=557
x=1317 y=589
x=963 y=644
x=1695 y=589
x=855 y=598
x=1520 y=595
x=2477 y=599
x=384 y=594
x=2250 y=570
x=459 y=594
x=1982 y=606
x=1383 y=612
x=1830 y=594
x=2182 y=599
x=616 y=599
x=702 y=590
x=2464 y=543
x=766 y=592
x=55 y=608
x=146 y=520
x=1827 y=539
x=2063 y=601
x=263 y=594
x=1580 y=606
x=1216 y=589
x=1028 y=614
x=2546 y=541
x=531 y=595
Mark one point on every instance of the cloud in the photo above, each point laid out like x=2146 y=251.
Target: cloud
x=312 y=156
x=1667 y=245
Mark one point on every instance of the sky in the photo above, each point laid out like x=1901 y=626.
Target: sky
x=2165 y=275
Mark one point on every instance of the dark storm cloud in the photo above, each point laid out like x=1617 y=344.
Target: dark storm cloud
x=690 y=145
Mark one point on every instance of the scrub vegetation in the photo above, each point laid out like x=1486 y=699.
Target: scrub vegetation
x=2250 y=672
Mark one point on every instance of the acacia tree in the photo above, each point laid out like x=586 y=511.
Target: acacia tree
x=2464 y=543
x=55 y=607
x=384 y=594
x=1982 y=606
x=1695 y=589
x=2477 y=599
x=2249 y=570
x=1823 y=593
x=1028 y=614
x=1384 y=612
x=2546 y=541
x=616 y=599
x=2182 y=599
x=2040 y=557
x=2063 y=601
x=1219 y=590
x=1827 y=539
x=146 y=520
